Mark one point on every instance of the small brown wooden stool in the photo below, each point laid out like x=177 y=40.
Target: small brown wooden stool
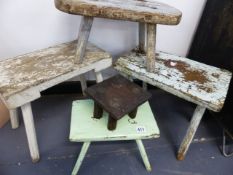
x=118 y=96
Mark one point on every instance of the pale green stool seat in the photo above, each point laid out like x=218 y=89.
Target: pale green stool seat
x=85 y=128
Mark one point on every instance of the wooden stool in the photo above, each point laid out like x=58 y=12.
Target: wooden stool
x=147 y=13
x=24 y=77
x=119 y=97
x=196 y=82
x=85 y=128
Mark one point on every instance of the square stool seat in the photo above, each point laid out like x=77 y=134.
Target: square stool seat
x=148 y=11
x=118 y=96
x=85 y=128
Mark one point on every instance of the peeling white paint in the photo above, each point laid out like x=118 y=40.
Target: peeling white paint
x=45 y=68
x=210 y=94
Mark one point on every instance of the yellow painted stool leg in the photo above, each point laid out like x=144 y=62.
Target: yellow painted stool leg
x=144 y=155
x=81 y=157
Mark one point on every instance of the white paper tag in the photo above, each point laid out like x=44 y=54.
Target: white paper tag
x=140 y=129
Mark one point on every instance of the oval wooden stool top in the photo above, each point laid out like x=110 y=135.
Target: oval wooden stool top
x=147 y=11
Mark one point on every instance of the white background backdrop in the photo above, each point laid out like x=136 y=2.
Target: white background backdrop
x=28 y=25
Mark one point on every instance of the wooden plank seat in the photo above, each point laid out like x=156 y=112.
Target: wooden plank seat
x=148 y=13
x=24 y=77
x=131 y=10
x=199 y=83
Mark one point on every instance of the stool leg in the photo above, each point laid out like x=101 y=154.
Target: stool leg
x=99 y=77
x=112 y=123
x=144 y=155
x=98 y=111
x=133 y=114
x=142 y=43
x=151 y=41
x=142 y=37
x=197 y=116
x=81 y=157
x=83 y=83
x=30 y=131
x=84 y=32
x=14 y=118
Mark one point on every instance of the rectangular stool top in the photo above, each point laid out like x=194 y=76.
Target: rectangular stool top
x=84 y=127
x=32 y=69
x=193 y=81
x=118 y=96
x=148 y=11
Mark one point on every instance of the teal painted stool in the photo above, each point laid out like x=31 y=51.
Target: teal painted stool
x=143 y=126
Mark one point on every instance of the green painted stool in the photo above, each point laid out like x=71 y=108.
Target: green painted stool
x=143 y=126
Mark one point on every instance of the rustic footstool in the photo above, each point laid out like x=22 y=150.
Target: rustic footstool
x=84 y=128
x=118 y=96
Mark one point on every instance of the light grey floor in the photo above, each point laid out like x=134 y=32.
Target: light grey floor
x=58 y=155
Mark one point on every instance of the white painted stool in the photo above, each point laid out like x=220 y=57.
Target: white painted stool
x=85 y=128
x=23 y=78
x=196 y=82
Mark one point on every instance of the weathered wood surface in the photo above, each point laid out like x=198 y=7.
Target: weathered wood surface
x=148 y=11
x=24 y=77
x=83 y=35
x=199 y=83
x=196 y=119
x=150 y=51
x=142 y=37
x=142 y=43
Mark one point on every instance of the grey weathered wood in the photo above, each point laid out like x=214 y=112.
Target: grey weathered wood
x=142 y=37
x=14 y=118
x=148 y=11
x=30 y=131
x=151 y=41
x=83 y=83
x=142 y=43
x=199 y=83
x=83 y=35
x=24 y=77
x=99 y=77
x=144 y=85
x=197 y=116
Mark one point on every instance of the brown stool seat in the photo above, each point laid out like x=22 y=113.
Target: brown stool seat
x=118 y=96
x=146 y=11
